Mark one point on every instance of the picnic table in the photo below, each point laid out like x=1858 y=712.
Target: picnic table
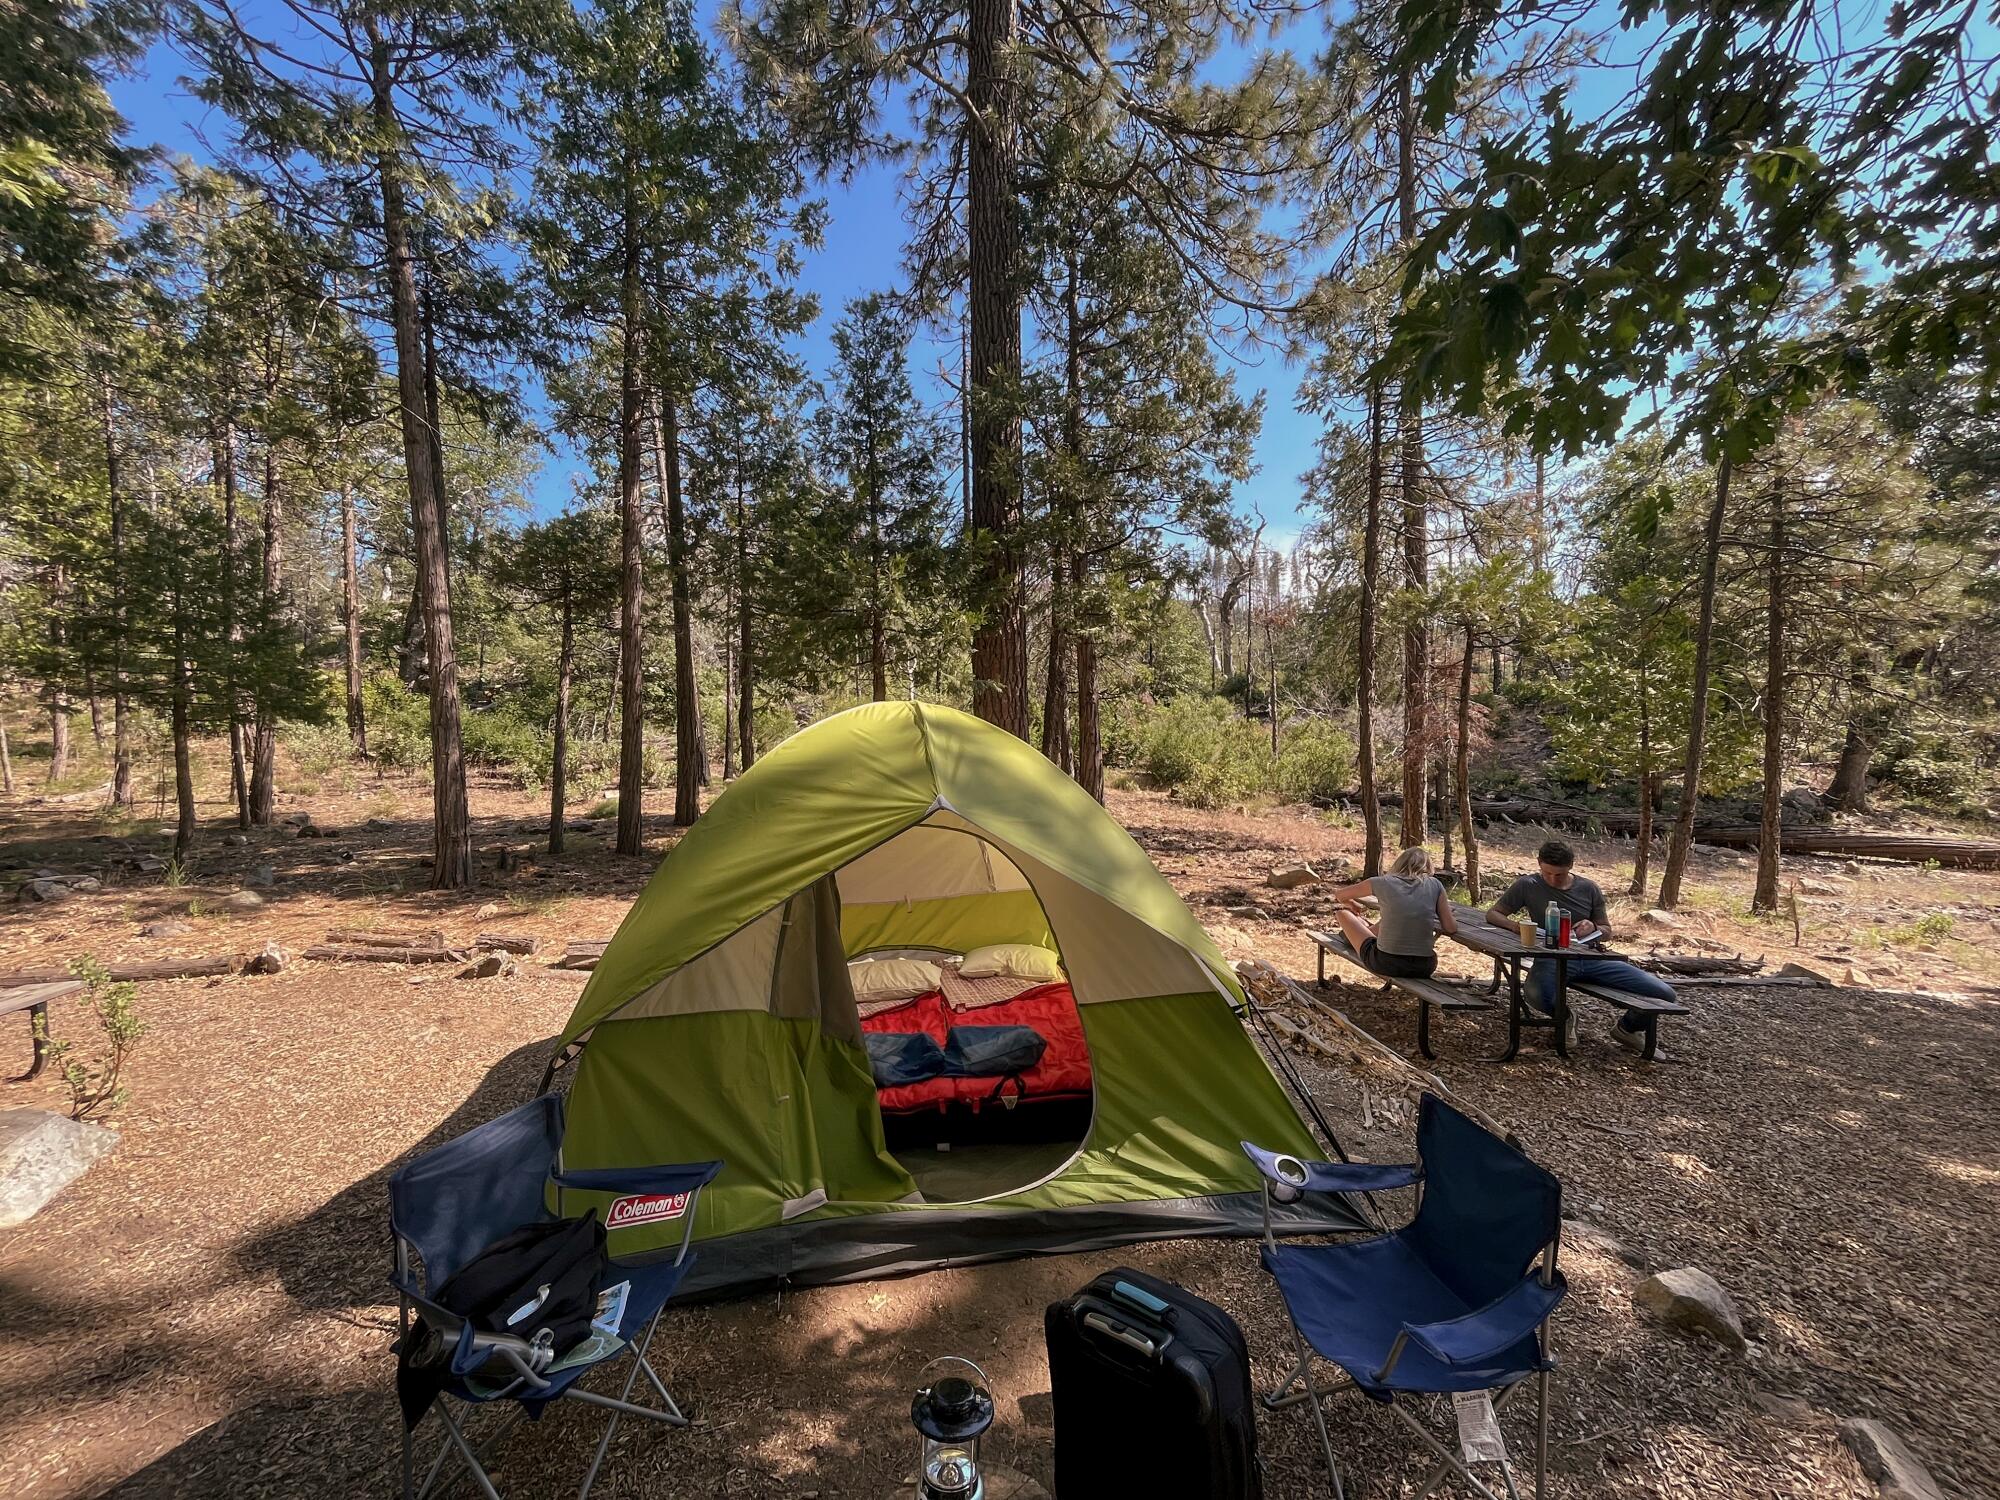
x=34 y=999
x=1504 y=946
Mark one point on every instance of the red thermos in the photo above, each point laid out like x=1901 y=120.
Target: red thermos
x=1562 y=931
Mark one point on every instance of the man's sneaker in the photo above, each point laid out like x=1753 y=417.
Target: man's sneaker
x=1635 y=1041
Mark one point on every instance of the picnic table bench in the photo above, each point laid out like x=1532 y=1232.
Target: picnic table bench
x=1428 y=992
x=34 y=999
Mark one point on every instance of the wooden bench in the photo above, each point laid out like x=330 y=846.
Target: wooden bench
x=1645 y=1007
x=1427 y=992
x=34 y=999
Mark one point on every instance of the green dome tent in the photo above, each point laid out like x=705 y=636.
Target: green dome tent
x=720 y=1022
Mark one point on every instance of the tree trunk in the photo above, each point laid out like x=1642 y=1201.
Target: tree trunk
x=1704 y=640
x=1000 y=638
x=746 y=677
x=1225 y=610
x=264 y=761
x=1772 y=834
x=6 y=762
x=1462 y=773
x=1208 y=637
x=350 y=617
x=1849 y=789
x=223 y=462
x=1271 y=671
x=1416 y=518
x=1089 y=729
x=1642 y=852
x=1250 y=634
x=688 y=749
x=59 y=711
x=631 y=584
x=96 y=702
x=878 y=611
x=121 y=736
x=1055 y=693
x=183 y=762
x=452 y=835
x=1371 y=566
x=559 y=751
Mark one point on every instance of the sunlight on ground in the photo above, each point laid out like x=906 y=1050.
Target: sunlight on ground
x=1972 y=1173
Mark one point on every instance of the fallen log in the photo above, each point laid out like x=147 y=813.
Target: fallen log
x=579 y=954
x=1771 y=981
x=1687 y=966
x=163 y=968
x=356 y=953
x=502 y=942
x=372 y=937
x=1902 y=848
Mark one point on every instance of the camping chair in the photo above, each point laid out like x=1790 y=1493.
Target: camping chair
x=450 y=1204
x=1453 y=1301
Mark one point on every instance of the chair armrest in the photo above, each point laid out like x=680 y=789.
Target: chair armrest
x=1285 y=1171
x=680 y=1177
x=1486 y=1332
x=471 y=1347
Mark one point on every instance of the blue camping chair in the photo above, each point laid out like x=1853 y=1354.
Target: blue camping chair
x=450 y=1204
x=1453 y=1301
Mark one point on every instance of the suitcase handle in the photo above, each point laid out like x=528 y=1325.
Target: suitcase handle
x=1129 y=1337
x=1140 y=1298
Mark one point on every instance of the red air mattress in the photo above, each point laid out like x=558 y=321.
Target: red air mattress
x=1063 y=1072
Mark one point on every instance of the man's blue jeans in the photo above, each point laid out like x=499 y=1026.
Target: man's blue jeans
x=1612 y=973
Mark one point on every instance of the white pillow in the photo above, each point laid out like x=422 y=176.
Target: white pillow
x=892 y=978
x=1012 y=961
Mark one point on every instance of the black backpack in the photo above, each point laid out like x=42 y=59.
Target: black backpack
x=539 y=1283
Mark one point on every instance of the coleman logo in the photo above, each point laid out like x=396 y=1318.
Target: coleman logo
x=645 y=1208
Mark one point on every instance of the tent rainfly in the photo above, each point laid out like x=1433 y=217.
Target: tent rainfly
x=720 y=1022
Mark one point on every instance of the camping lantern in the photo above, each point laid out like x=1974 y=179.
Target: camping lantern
x=950 y=1416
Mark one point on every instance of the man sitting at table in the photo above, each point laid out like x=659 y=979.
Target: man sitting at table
x=1556 y=881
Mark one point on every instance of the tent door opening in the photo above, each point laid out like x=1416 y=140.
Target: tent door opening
x=991 y=1122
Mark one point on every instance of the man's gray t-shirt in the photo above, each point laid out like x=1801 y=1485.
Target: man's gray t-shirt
x=1409 y=914
x=1583 y=900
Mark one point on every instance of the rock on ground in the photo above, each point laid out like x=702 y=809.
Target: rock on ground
x=489 y=966
x=1695 y=1301
x=241 y=901
x=1884 y=1459
x=1660 y=918
x=40 y=1155
x=166 y=927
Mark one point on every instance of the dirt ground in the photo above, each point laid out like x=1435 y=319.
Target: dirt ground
x=205 y=1313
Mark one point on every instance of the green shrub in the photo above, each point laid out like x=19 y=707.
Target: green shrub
x=94 y=1087
x=1202 y=753
x=316 y=748
x=496 y=738
x=1315 y=763
x=399 y=723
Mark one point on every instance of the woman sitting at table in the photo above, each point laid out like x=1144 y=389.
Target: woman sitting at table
x=1402 y=944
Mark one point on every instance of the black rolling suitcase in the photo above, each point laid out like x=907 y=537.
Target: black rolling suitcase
x=1152 y=1394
